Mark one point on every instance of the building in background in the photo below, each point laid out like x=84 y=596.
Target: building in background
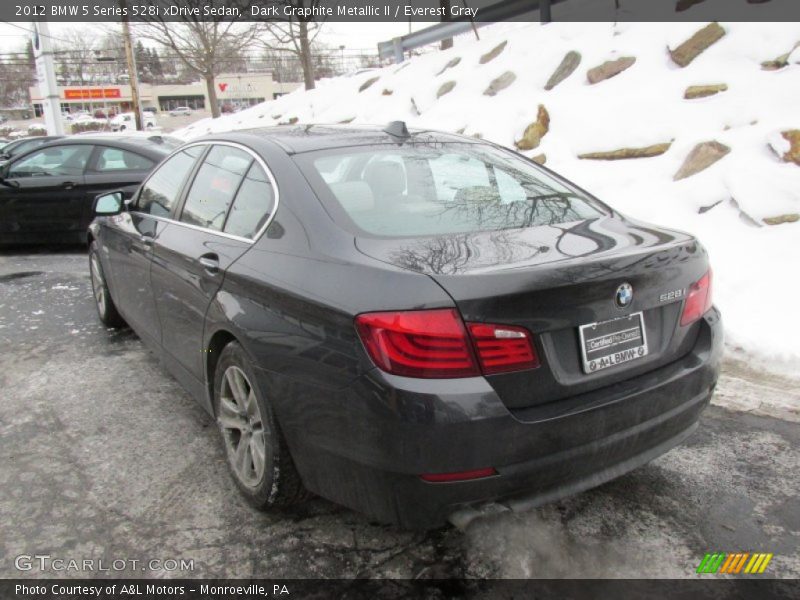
x=234 y=91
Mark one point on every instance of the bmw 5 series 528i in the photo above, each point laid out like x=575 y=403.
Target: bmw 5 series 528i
x=408 y=323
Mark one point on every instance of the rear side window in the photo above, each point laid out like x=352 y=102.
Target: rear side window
x=215 y=186
x=422 y=189
x=116 y=159
x=161 y=191
x=253 y=205
x=53 y=161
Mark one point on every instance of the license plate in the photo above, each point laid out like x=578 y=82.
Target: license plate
x=608 y=343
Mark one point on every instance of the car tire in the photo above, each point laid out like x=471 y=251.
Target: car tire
x=258 y=457
x=106 y=309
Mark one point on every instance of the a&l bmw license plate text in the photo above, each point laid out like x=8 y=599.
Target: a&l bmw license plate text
x=608 y=343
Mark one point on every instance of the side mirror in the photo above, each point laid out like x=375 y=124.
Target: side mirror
x=108 y=205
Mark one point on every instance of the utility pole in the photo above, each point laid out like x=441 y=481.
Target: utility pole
x=46 y=77
x=133 y=77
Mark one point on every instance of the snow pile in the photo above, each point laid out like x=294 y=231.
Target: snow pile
x=755 y=265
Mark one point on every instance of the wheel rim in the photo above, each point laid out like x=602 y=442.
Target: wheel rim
x=242 y=427
x=98 y=285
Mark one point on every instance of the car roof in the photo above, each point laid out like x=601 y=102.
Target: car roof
x=295 y=139
x=153 y=144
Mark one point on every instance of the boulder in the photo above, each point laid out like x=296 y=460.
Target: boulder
x=445 y=88
x=535 y=131
x=779 y=62
x=452 y=63
x=568 y=65
x=701 y=157
x=387 y=92
x=702 y=91
x=539 y=159
x=291 y=121
x=780 y=219
x=610 y=68
x=493 y=53
x=625 y=153
x=368 y=83
x=695 y=45
x=500 y=83
x=792 y=153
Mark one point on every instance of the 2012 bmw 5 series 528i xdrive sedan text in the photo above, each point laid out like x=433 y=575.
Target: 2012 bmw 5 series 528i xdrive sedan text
x=408 y=323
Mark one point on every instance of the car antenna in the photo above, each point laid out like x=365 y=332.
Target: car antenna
x=397 y=129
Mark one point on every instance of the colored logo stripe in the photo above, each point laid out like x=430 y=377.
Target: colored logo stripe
x=723 y=562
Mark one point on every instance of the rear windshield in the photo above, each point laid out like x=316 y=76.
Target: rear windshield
x=430 y=189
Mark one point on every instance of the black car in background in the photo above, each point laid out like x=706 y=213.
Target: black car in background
x=46 y=194
x=22 y=145
x=408 y=323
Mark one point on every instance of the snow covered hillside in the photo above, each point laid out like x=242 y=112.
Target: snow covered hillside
x=739 y=192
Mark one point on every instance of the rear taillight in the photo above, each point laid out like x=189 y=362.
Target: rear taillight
x=698 y=300
x=435 y=344
x=502 y=348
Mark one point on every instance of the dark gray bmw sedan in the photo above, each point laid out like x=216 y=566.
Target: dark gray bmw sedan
x=408 y=323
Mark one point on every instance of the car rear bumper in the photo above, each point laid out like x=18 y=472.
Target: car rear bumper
x=383 y=432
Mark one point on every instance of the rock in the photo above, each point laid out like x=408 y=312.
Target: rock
x=368 y=83
x=793 y=153
x=701 y=157
x=414 y=108
x=702 y=91
x=609 y=69
x=780 y=61
x=568 y=65
x=387 y=92
x=695 y=45
x=625 y=153
x=500 y=83
x=452 y=63
x=535 y=131
x=493 y=53
x=780 y=219
x=346 y=121
x=539 y=159
x=291 y=121
x=445 y=88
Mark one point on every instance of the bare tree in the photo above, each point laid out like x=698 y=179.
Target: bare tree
x=296 y=36
x=207 y=48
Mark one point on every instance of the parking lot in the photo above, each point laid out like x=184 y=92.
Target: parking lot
x=104 y=456
x=164 y=122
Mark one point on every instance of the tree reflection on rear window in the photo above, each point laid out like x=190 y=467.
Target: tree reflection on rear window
x=416 y=190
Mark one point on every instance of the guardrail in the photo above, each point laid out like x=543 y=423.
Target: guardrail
x=501 y=11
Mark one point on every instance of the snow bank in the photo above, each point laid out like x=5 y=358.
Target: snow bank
x=756 y=266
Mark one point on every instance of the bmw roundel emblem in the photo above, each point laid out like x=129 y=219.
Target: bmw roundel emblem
x=624 y=295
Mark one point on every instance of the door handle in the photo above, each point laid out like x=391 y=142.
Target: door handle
x=210 y=262
x=68 y=185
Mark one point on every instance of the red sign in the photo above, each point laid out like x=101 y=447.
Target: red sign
x=91 y=93
x=222 y=86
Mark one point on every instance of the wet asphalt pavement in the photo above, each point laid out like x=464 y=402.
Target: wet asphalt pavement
x=103 y=456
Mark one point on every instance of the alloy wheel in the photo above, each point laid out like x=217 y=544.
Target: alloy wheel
x=242 y=428
x=98 y=285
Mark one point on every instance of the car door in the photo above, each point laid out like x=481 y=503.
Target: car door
x=128 y=243
x=190 y=258
x=43 y=193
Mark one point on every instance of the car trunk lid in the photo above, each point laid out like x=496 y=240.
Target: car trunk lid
x=554 y=279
